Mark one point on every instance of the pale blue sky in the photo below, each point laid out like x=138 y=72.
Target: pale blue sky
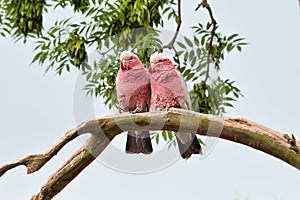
x=36 y=110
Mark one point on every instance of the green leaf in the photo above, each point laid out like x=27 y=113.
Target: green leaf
x=228 y=104
x=229 y=48
x=179 y=53
x=191 y=55
x=229 y=99
x=196 y=41
x=36 y=57
x=188 y=41
x=203 y=39
x=170 y=135
x=190 y=76
x=239 y=48
x=193 y=62
x=232 y=36
x=200 y=141
x=165 y=10
x=170 y=15
x=203 y=73
x=186 y=56
x=181 y=45
x=164 y=134
x=242 y=43
x=237 y=40
x=208 y=25
x=157 y=138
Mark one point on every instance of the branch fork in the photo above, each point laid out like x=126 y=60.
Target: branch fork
x=104 y=129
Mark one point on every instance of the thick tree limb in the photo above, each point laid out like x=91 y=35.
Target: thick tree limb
x=81 y=159
x=104 y=129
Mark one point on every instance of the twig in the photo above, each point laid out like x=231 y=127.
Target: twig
x=212 y=34
x=95 y=39
x=105 y=52
x=154 y=6
x=170 y=45
x=176 y=54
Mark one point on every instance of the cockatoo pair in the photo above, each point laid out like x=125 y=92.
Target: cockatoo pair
x=163 y=87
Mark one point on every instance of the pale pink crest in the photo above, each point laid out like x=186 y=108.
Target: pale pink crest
x=157 y=57
x=129 y=60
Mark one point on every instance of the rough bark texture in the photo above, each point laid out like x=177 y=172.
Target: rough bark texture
x=104 y=129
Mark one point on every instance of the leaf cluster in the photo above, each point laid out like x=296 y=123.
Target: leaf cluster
x=75 y=49
x=61 y=47
x=25 y=17
x=115 y=26
x=201 y=56
x=217 y=44
x=214 y=98
x=101 y=79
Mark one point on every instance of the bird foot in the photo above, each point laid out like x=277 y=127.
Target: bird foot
x=168 y=108
x=137 y=110
x=122 y=108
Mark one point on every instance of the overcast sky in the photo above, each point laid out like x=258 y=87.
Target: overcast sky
x=36 y=110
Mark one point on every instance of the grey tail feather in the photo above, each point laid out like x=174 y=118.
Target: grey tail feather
x=192 y=147
x=138 y=142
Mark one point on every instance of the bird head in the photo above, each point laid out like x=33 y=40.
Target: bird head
x=159 y=61
x=129 y=60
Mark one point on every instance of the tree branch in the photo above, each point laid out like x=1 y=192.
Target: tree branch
x=81 y=159
x=35 y=162
x=212 y=34
x=178 y=20
x=104 y=129
x=154 y=6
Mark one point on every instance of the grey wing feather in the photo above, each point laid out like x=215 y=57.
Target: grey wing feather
x=187 y=96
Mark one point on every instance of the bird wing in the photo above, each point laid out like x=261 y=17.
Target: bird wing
x=186 y=101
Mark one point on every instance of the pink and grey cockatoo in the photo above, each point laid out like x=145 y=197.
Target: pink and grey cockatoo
x=133 y=93
x=168 y=89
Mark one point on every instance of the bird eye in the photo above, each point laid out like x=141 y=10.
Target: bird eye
x=131 y=57
x=160 y=60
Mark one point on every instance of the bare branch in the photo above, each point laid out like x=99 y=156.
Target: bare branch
x=178 y=20
x=98 y=37
x=212 y=34
x=104 y=129
x=35 y=162
x=81 y=159
x=154 y=6
x=107 y=51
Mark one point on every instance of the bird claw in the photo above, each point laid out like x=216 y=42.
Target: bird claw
x=167 y=108
x=122 y=108
x=137 y=110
